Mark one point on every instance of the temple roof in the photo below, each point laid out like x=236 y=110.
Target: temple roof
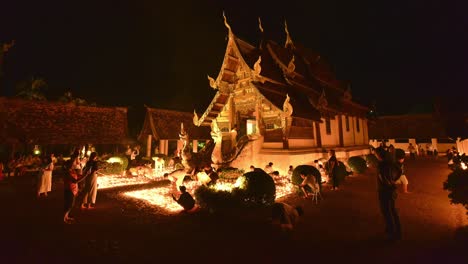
x=311 y=75
x=276 y=94
x=42 y=122
x=165 y=124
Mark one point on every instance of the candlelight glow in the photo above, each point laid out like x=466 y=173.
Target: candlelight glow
x=115 y=160
x=114 y=180
x=162 y=196
x=463 y=165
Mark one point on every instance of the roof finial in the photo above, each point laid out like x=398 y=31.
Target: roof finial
x=257 y=67
x=322 y=101
x=287 y=107
x=291 y=65
x=226 y=23
x=195 y=118
x=260 y=24
x=288 y=36
x=212 y=82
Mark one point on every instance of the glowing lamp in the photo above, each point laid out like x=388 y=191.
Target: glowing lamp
x=36 y=150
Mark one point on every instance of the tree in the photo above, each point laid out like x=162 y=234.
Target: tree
x=68 y=98
x=32 y=89
x=457 y=185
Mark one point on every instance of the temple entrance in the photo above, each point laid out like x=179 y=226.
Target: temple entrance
x=251 y=127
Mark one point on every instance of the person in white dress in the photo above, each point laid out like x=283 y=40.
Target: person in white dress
x=44 y=185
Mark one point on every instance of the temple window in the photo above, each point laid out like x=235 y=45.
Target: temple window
x=347 y=123
x=357 y=125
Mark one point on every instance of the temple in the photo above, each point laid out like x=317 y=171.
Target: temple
x=285 y=103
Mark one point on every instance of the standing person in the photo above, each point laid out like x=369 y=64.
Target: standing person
x=387 y=174
x=44 y=181
x=332 y=169
x=290 y=171
x=70 y=182
x=90 y=171
x=412 y=151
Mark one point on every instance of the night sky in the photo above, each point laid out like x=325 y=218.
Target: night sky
x=397 y=53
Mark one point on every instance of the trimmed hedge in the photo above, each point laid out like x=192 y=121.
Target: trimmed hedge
x=257 y=187
x=215 y=200
x=357 y=164
x=230 y=173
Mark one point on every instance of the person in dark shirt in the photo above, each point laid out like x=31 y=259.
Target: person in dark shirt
x=185 y=199
x=332 y=169
x=387 y=175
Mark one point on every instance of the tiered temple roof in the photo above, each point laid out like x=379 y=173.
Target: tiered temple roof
x=290 y=70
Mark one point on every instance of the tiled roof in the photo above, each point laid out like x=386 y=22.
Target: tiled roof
x=42 y=122
x=276 y=94
x=166 y=124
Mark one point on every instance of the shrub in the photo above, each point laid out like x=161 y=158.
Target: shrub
x=457 y=185
x=215 y=200
x=230 y=173
x=357 y=164
x=124 y=162
x=113 y=165
x=256 y=188
x=371 y=160
x=112 y=168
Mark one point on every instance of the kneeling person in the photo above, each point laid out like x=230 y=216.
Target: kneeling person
x=185 y=199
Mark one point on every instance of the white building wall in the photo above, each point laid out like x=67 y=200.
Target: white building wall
x=333 y=139
x=348 y=136
x=358 y=135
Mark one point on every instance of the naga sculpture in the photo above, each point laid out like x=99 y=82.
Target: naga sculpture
x=190 y=160
x=219 y=158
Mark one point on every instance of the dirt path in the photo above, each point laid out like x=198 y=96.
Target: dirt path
x=345 y=226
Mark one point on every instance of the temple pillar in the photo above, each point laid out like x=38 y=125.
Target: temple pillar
x=163 y=146
x=318 y=135
x=195 y=146
x=340 y=130
x=148 y=146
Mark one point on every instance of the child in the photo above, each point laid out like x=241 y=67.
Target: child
x=70 y=181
